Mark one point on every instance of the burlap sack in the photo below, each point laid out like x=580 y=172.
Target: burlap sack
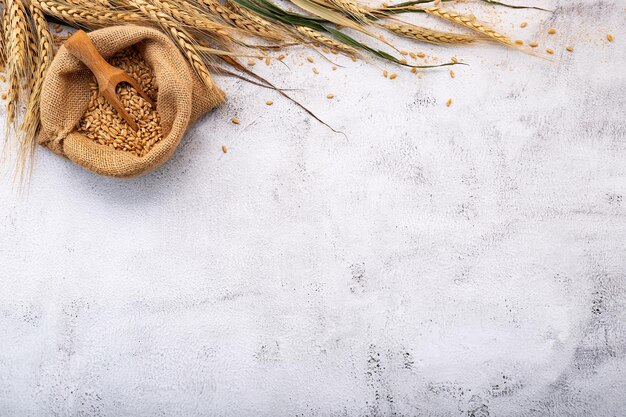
x=181 y=99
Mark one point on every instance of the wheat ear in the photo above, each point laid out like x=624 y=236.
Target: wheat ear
x=229 y=16
x=183 y=40
x=427 y=35
x=469 y=22
x=257 y=24
x=348 y=7
x=17 y=54
x=191 y=17
x=3 y=56
x=45 y=53
x=324 y=40
x=90 y=17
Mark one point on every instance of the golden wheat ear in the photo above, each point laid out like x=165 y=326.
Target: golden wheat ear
x=469 y=22
x=427 y=35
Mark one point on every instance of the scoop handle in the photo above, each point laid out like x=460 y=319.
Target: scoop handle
x=81 y=47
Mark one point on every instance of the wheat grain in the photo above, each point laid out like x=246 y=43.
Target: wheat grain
x=102 y=124
x=427 y=35
x=468 y=22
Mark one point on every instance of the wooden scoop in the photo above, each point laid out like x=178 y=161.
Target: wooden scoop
x=108 y=76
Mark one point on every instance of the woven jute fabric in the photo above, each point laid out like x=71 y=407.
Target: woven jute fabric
x=181 y=99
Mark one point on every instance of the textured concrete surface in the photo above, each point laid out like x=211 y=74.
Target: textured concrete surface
x=462 y=261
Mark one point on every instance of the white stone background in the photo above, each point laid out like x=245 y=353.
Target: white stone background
x=462 y=261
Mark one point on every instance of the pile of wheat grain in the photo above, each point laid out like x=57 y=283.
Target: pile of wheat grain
x=102 y=124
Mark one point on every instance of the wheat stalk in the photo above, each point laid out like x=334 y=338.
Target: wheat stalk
x=324 y=40
x=45 y=53
x=17 y=54
x=427 y=35
x=91 y=17
x=469 y=22
x=3 y=56
x=183 y=40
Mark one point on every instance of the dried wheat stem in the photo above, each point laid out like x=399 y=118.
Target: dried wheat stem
x=324 y=40
x=183 y=40
x=427 y=35
x=469 y=22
